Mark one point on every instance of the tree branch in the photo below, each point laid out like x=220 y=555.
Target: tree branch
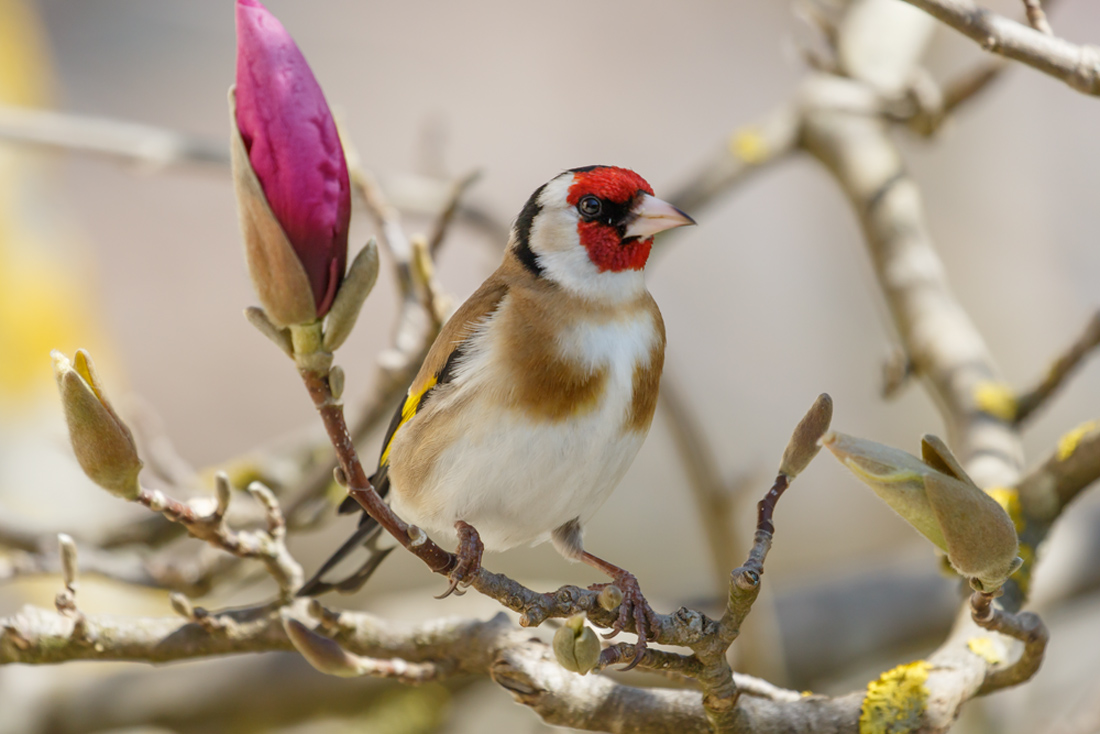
x=1077 y=66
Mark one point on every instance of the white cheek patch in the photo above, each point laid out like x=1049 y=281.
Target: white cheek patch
x=556 y=242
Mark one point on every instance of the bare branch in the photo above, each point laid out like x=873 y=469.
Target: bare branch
x=447 y=214
x=1025 y=627
x=942 y=342
x=268 y=546
x=131 y=142
x=1077 y=66
x=750 y=148
x=713 y=498
x=1070 y=468
x=1056 y=376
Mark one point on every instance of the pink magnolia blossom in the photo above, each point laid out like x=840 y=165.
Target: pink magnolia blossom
x=292 y=144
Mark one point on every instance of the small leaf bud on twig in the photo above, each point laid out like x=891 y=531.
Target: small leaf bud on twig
x=279 y=336
x=336 y=381
x=181 y=605
x=224 y=493
x=68 y=560
x=610 y=597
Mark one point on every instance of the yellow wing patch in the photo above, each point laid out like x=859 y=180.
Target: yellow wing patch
x=408 y=410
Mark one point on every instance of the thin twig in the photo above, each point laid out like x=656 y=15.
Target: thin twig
x=1028 y=402
x=1036 y=17
x=713 y=499
x=1025 y=627
x=447 y=214
x=268 y=546
x=1077 y=66
x=750 y=148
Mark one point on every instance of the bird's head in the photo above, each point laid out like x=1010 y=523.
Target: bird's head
x=590 y=231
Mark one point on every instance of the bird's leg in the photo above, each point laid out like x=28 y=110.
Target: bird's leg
x=468 y=555
x=633 y=606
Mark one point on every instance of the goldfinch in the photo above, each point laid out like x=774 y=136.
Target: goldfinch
x=539 y=391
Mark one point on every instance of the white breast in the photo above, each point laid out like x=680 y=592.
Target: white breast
x=515 y=478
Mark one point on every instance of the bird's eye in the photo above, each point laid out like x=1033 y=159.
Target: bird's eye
x=589 y=207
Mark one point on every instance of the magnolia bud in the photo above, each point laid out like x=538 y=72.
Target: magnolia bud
x=322 y=653
x=937 y=498
x=102 y=443
x=576 y=646
x=803 y=446
x=291 y=178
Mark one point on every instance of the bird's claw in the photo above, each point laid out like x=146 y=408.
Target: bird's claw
x=633 y=608
x=468 y=560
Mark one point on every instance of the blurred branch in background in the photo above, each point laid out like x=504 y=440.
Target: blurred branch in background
x=1077 y=66
x=145 y=145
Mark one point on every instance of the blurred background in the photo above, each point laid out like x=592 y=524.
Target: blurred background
x=768 y=302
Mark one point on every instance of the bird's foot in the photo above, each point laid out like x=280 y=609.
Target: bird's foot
x=635 y=608
x=468 y=556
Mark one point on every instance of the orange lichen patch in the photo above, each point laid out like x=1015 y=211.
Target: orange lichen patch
x=896 y=702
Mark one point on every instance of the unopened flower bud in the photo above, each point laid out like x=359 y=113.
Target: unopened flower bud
x=937 y=498
x=322 y=653
x=576 y=646
x=102 y=443
x=291 y=177
x=803 y=446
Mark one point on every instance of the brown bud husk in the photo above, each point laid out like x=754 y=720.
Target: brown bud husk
x=280 y=281
x=576 y=646
x=102 y=443
x=938 y=498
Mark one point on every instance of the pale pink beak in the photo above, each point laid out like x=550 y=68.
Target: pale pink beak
x=652 y=215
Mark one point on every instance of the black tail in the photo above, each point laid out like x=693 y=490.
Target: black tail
x=368 y=534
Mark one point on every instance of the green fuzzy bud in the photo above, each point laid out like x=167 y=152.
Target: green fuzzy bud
x=938 y=499
x=576 y=646
x=102 y=443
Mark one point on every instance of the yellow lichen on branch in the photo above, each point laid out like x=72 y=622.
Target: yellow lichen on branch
x=996 y=398
x=1068 y=443
x=896 y=702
